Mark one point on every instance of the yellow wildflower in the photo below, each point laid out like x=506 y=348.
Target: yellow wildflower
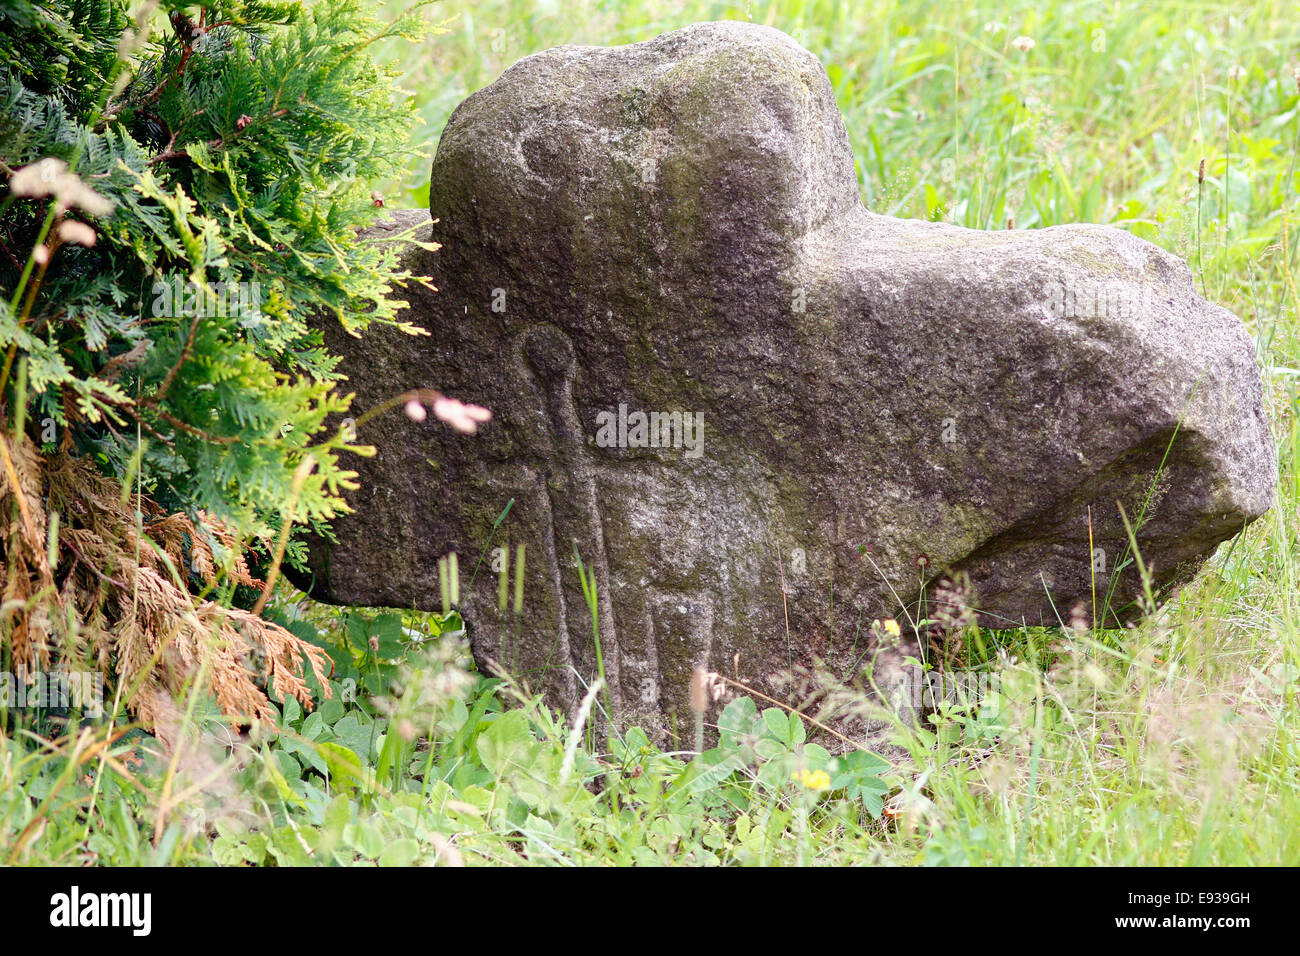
x=814 y=779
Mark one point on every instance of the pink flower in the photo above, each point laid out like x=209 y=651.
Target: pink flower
x=462 y=417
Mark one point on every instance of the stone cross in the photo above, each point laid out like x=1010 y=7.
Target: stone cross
x=761 y=415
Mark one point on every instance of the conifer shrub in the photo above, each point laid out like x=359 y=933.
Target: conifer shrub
x=181 y=189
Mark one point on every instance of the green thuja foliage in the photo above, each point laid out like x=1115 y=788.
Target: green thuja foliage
x=181 y=188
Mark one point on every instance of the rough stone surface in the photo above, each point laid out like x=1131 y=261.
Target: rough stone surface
x=675 y=226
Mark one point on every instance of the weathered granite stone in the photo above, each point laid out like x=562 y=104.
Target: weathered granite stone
x=674 y=227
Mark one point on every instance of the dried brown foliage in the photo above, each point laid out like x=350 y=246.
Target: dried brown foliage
x=108 y=591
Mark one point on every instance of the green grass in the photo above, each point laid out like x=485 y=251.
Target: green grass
x=1175 y=742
